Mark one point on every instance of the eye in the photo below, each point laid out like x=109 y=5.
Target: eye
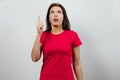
x=59 y=12
x=51 y=11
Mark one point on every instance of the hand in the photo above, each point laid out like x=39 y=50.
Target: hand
x=39 y=26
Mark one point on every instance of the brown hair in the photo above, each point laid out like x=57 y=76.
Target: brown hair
x=65 y=24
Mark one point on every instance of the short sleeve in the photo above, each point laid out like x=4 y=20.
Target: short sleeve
x=77 y=41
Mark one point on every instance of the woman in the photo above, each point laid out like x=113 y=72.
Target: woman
x=60 y=46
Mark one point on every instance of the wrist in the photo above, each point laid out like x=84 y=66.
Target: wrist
x=38 y=34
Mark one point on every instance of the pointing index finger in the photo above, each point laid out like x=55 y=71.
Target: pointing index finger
x=38 y=19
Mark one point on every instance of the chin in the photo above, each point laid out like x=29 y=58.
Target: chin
x=55 y=25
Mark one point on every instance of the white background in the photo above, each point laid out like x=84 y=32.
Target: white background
x=97 y=23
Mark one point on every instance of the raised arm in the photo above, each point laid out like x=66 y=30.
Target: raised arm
x=77 y=64
x=37 y=47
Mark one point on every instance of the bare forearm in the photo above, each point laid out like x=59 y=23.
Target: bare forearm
x=36 y=53
x=78 y=71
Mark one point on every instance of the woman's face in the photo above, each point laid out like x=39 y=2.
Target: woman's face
x=56 y=16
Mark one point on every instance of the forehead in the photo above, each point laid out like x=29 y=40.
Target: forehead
x=55 y=8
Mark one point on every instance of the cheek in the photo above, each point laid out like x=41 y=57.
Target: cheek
x=61 y=18
x=50 y=18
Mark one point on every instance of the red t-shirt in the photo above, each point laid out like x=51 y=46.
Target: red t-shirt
x=57 y=55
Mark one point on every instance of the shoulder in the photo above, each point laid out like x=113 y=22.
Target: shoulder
x=44 y=36
x=71 y=32
x=44 y=33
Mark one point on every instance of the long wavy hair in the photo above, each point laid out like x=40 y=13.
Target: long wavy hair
x=65 y=23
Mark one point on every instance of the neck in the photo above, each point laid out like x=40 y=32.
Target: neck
x=56 y=29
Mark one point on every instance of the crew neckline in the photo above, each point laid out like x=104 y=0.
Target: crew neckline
x=58 y=33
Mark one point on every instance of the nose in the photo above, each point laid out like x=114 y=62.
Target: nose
x=55 y=15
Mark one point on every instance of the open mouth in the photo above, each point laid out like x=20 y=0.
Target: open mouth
x=55 y=19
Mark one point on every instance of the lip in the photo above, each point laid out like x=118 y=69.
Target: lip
x=55 y=19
